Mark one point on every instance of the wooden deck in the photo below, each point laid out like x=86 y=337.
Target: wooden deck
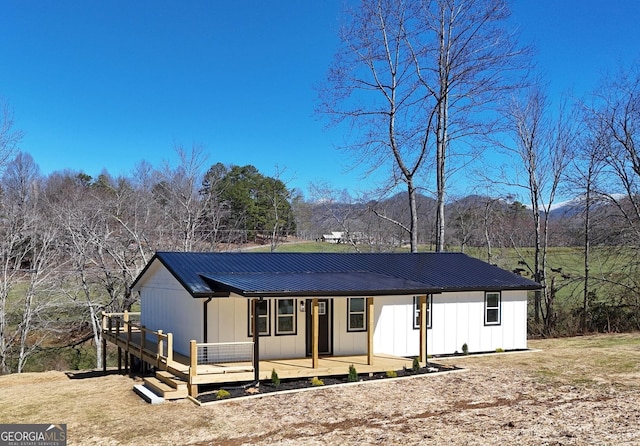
x=243 y=371
x=156 y=350
x=302 y=368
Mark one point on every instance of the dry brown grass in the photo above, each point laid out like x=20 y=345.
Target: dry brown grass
x=577 y=391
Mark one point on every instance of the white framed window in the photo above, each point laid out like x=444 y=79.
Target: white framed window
x=416 y=311
x=264 y=310
x=285 y=317
x=356 y=314
x=492 y=308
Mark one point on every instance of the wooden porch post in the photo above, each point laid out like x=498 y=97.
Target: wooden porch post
x=369 y=323
x=119 y=348
x=143 y=336
x=315 y=322
x=125 y=327
x=159 y=349
x=193 y=368
x=423 y=329
x=104 y=343
x=129 y=361
x=104 y=354
x=169 y=348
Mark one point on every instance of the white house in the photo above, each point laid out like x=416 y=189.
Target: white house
x=363 y=301
x=334 y=237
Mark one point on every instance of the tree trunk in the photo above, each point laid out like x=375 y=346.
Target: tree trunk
x=586 y=247
x=97 y=335
x=442 y=116
x=413 y=230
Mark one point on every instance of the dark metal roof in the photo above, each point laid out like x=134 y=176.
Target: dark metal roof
x=334 y=274
x=315 y=283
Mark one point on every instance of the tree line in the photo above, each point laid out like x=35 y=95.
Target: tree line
x=71 y=245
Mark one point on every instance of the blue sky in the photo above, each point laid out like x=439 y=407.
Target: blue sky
x=104 y=85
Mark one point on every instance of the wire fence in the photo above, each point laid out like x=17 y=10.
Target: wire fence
x=225 y=352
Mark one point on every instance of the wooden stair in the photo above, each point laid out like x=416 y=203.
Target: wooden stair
x=167 y=385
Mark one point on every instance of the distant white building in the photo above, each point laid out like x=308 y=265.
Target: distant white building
x=334 y=237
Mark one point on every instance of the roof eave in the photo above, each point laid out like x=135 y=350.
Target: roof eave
x=194 y=294
x=496 y=288
x=212 y=294
x=324 y=293
x=133 y=285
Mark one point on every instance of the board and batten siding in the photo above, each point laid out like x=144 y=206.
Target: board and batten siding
x=345 y=342
x=165 y=305
x=228 y=321
x=393 y=332
x=465 y=311
x=457 y=319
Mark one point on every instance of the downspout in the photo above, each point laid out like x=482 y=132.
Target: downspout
x=204 y=322
x=256 y=341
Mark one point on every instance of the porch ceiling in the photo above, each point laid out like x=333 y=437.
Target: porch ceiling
x=354 y=283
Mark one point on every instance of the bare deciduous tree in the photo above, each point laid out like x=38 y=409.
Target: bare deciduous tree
x=585 y=176
x=372 y=87
x=82 y=221
x=30 y=261
x=540 y=151
x=179 y=190
x=613 y=159
x=471 y=61
x=413 y=75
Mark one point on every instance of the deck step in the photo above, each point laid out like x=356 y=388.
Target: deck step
x=147 y=395
x=171 y=380
x=178 y=370
x=165 y=390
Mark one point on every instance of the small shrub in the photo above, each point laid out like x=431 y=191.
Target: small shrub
x=275 y=379
x=416 y=365
x=392 y=374
x=316 y=382
x=465 y=349
x=221 y=394
x=353 y=374
x=499 y=350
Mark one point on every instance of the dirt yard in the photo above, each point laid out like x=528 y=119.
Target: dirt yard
x=578 y=391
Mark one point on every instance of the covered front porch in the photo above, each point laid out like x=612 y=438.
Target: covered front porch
x=227 y=363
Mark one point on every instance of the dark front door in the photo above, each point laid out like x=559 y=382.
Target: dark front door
x=325 y=320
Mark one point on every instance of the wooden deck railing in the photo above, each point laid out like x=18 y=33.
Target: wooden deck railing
x=156 y=348
x=215 y=358
x=224 y=352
